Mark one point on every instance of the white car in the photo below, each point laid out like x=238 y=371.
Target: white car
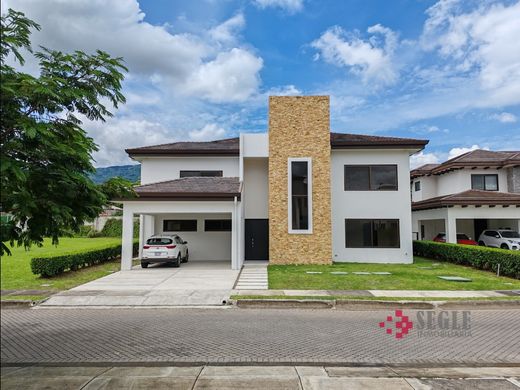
x=165 y=249
x=499 y=238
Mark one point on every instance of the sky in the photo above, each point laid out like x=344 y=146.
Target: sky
x=447 y=71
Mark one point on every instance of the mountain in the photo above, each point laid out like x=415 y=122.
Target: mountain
x=130 y=172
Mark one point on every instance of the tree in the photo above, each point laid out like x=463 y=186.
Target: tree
x=45 y=155
x=117 y=188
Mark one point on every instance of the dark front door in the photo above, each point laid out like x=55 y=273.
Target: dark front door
x=480 y=225
x=257 y=239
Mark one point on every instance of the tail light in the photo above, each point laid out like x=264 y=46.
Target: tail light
x=146 y=246
x=171 y=246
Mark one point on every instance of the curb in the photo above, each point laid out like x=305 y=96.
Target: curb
x=16 y=304
x=372 y=305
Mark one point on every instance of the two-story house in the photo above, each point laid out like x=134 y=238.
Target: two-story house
x=467 y=194
x=297 y=194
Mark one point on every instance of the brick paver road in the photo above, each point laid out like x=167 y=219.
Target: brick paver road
x=244 y=336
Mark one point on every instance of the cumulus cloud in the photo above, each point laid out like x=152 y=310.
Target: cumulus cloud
x=291 y=6
x=227 y=31
x=422 y=158
x=370 y=58
x=458 y=151
x=505 y=117
x=210 y=131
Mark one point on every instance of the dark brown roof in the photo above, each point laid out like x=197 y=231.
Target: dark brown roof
x=223 y=188
x=475 y=159
x=223 y=147
x=467 y=198
x=350 y=141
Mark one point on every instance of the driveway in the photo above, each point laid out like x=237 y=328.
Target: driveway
x=197 y=283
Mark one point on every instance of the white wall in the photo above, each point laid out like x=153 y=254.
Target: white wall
x=428 y=188
x=371 y=205
x=156 y=169
x=255 y=145
x=201 y=245
x=256 y=188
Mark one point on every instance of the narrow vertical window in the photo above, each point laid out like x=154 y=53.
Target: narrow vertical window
x=300 y=195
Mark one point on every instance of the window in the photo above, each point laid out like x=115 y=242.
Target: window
x=370 y=177
x=484 y=182
x=159 y=241
x=217 y=225
x=417 y=186
x=201 y=174
x=300 y=195
x=491 y=233
x=372 y=233
x=180 y=225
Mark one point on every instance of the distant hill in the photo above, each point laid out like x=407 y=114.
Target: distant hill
x=130 y=172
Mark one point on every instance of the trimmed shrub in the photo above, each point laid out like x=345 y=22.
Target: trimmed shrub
x=475 y=256
x=55 y=265
x=114 y=228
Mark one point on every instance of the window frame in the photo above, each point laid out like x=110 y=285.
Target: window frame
x=181 y=230
x=372 y=220
x=221 y=220
x=290 y=160
x=473 y=175
x=417 y=186
x=369 y=166
x=220 y=173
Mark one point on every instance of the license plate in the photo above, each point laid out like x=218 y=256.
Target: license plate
x=158 y=253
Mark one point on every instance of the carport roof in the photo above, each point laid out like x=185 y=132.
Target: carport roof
x=469 y=198
x=190 y=188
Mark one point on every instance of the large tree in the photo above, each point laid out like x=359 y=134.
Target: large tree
x=45 y=155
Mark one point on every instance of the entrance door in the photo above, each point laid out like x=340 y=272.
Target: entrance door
x=257 y=239
x=480 y=225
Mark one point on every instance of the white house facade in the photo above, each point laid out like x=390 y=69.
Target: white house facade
x=297 y=194
x=468 y=194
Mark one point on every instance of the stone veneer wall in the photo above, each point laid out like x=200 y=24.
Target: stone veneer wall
x=513 y=179
x=299 y=127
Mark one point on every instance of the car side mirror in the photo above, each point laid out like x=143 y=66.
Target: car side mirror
x=497 y=236
x=185 y=242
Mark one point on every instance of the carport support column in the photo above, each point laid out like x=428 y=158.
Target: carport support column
x=127 y=239
x=451 y=228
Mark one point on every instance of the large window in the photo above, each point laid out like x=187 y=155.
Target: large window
x=300 y=195
x=484 y=182
x=372 y=233
x=201 y=174
x=370 y=177
x=180 y=225
x=217 y=225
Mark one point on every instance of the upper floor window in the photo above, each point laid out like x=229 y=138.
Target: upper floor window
x=417 y=186
x=300 y=195
x=201 y=174
x=180 y=225
x=371 y=178
x=484 y=182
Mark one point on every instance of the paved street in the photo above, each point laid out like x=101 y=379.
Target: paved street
x=242 y=336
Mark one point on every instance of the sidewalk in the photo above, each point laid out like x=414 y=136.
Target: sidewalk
x=260 y=377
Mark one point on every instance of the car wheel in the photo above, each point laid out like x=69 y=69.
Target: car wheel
x=481 y=243
x=144 y=265
x=504 y=246
x=187 y=257
x=177 y=262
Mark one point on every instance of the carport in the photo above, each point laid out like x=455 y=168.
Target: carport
x=205 y=211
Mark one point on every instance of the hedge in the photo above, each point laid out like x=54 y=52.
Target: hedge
x=114 y=228
x=55 y=265
x=475 y=256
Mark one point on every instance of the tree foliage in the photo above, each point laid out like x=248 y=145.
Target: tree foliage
x=45 y=155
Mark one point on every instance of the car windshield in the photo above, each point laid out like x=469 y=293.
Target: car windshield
x=461 y=236
x=159 y=241
x=510 y=234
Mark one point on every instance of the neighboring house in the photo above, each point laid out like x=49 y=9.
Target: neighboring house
x=298 y=194
x=470 y=193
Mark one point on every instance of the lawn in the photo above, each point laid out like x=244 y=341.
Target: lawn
x=403 y=277
x=16 y=270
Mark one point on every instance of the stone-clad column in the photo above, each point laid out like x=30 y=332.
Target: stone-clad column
x=299 y=127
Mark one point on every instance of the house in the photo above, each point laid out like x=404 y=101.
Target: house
x=298 y=194
x=467 y=194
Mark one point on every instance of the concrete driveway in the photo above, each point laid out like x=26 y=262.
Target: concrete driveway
x=197 y=283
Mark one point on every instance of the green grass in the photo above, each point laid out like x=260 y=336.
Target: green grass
x=23 y=298
x=404 y=277
x=16 y=269
x=365 y=298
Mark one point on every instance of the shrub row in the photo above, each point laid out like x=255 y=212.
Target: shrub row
x=475 y=256
x=114 y=228
x=55 y=265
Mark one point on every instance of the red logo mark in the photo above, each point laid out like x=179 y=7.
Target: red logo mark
x=400 y=322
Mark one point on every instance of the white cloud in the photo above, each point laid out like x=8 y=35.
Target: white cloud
x=458 y=151
x=422 y=158
x=291 y=6
x=505 y=117
x=227 y=31
x=209 y=132
x=371 y=58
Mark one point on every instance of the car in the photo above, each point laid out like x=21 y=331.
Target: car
x=165 y=249
x=462 y=238
x=500 y=238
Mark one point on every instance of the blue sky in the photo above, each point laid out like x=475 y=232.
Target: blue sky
x=446 y=70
